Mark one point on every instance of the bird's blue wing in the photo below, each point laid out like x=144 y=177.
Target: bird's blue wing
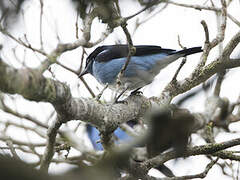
x=144 y=65
x=106 y=72
x=109 y=60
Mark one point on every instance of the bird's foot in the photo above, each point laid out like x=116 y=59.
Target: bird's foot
x=117 y=98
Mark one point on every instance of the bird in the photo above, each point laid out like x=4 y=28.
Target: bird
x=105 y=63
x=120 y=136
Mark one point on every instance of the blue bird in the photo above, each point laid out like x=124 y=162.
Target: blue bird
x=119 y=134
x=105 y=63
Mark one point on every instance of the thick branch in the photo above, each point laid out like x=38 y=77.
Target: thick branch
x=204 y=73
x=33 y=86
x=191 y=151
x=200 y=175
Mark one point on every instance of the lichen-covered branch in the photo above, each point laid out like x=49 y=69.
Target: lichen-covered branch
x=191 y=151
x=49 y=150
x=33 y=86
x=204 y=73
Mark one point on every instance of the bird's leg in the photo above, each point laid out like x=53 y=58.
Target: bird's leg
x=136 y=91
x=121 y=93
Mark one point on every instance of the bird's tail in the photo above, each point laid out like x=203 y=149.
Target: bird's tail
x=173 y=56
x=189 y=51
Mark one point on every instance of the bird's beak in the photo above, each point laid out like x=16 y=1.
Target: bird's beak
x=85 y=71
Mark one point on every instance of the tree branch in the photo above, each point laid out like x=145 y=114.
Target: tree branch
x=201 y=75
x=32 y=85
x=190 y=151
x=200 y=175
x=49 y=150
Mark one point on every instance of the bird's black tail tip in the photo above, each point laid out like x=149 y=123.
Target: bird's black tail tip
x=190 y=51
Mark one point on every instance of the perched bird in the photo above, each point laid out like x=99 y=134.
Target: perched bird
x=105 y=63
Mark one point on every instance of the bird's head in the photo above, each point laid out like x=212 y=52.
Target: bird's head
x=90 y=59
x=88 y=67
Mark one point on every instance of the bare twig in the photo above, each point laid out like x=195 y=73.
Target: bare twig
x=210 y=8
x=138 y=22
x=117 y=7
x=41 y=16
x=76 y=25
x=81 y=78
x=220 y=27
x=131 y=52
x=81 y=63
x=174 y=79
x=101 y=93
x=21 y=143
x=49 y=151
x=233 y=19
x=84 y=42
x=26 y=117
x=191 y=151
x=88 y=88
x=131 y=49
x=200 y=175
x=178 y=70
x=151 y=4
x=220 y=79
x=35 y=130
x=206 y=31
x=12 y=149
x=19 y=41
x=197 y=7
x=218 y=39
x=237 y=176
